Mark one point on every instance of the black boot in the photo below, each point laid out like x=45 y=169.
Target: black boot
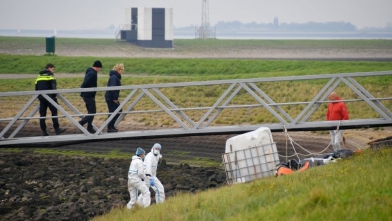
x=112 y=129
x=91 y=130
x=44 y=133
x=59 y=131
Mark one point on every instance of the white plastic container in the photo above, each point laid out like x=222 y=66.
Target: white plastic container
x=250 y=156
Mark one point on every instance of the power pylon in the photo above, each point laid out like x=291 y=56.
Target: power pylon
x=204 y=31
x=205 y=23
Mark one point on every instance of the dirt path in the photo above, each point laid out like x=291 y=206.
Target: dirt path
x=196 y=150
x=261 y=51
x=59 y=75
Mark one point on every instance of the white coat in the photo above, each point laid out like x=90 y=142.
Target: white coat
x=151 y=166
x=136 y=176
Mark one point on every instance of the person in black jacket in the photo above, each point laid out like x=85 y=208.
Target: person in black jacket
x=111 y=97
x=46 y=81
x=90 y=80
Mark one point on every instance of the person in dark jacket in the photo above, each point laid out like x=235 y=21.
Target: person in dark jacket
x=46 y=81
x=111 y=97
x=90 y=80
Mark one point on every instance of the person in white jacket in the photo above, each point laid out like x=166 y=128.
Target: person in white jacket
x=136 y=177
x=151 y=165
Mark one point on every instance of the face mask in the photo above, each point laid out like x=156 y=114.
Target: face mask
x=143 y=157
x=156 y=152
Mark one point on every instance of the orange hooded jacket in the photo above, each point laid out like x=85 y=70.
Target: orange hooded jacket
x=337 y=110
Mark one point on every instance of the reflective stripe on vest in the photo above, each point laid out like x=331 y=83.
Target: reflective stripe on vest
x=44 y=78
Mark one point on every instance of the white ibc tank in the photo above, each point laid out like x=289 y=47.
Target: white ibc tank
x=250 y=156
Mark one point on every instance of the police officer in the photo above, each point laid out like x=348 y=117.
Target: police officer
x=46 y=81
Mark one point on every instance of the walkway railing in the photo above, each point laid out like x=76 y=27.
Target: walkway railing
x=210 y=107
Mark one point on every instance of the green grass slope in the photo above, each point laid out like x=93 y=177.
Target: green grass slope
x=224 y=68
x=357 y=188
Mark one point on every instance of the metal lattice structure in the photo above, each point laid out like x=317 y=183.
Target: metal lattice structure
x=205 y=20
x=204 y=31
x=259 y=102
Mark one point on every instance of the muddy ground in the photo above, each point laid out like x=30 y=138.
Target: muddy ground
x=54 y=187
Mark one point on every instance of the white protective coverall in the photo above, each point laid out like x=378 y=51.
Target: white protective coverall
x=151 y=165
x=135 y=184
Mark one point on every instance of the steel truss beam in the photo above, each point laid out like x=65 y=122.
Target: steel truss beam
x=185 y=125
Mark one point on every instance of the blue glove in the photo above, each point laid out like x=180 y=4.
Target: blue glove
x=152 y=183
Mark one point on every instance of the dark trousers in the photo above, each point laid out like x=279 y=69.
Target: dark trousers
x=43 y=107
x=91 y=109
x=112 y=107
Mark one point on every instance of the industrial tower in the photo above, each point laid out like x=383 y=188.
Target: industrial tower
x=204 y=31
x=204 y=19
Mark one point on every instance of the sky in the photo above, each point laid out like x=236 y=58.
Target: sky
x=100 y=14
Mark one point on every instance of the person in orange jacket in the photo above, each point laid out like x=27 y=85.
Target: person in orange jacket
x=337 y=110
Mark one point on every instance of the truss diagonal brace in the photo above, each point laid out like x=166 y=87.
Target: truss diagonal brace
x=174 y=106
x=27 y=105
x=213 y=107
x=270 y=101
x=366 y=99
x=264 y=104
x=165 y=109
x=366 y=93
x=317 y=105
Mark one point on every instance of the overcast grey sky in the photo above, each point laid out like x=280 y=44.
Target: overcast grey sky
x=96 y=14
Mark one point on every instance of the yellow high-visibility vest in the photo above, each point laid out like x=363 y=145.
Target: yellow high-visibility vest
x=44 y=78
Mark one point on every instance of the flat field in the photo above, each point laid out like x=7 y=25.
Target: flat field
x=212 y=48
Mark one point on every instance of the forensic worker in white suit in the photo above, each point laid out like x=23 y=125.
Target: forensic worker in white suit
x=136 y=181
x=151 y=165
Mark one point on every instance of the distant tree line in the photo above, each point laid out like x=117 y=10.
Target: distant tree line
x=276 y=26
x=309 y=26
x=387 y=28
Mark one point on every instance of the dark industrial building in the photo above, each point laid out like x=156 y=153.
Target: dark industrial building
x=149 y=27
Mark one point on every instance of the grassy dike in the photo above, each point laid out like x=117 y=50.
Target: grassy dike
x=171 y=70
x=203 y=68
x=163 y=70
x=357 y=188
